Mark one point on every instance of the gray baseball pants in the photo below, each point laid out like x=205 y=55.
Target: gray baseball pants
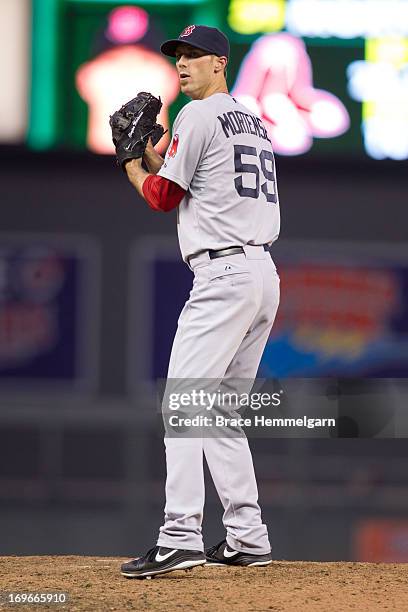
x=221 y=335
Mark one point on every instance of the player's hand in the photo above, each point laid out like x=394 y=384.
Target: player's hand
x=149 y=148
x=152 y=161
x=149 y=151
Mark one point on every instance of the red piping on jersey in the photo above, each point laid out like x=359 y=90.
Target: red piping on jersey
x=161 y=194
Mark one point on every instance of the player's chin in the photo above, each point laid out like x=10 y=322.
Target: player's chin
x=186 y=88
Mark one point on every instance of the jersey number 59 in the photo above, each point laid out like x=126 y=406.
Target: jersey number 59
x=265 y=157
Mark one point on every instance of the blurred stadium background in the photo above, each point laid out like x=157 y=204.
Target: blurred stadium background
x=91 y=281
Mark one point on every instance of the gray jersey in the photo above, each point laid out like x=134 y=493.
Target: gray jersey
x=222 y=156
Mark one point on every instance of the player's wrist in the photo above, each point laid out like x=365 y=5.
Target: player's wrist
x=131 y=165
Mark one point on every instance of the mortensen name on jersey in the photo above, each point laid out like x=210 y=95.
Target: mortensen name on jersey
x=237 y=122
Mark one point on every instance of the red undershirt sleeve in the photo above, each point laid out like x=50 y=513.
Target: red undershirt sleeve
x=161 y=194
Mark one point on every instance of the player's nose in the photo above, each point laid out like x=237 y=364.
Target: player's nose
x=181 y=62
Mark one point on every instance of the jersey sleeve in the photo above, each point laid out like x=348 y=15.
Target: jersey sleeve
x=190 y=138
x=162 y=194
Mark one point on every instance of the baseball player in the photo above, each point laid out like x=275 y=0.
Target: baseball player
x=219 y=172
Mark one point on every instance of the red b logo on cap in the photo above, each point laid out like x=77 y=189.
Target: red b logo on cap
x=187 y=31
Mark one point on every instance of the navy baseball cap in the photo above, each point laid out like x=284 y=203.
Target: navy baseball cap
x=200 y=36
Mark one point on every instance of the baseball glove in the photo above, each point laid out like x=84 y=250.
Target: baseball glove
x=132 y=126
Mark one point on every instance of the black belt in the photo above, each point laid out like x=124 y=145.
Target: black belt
x=235 y=250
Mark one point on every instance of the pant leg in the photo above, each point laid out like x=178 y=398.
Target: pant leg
x=229 y=459
x=210 y=330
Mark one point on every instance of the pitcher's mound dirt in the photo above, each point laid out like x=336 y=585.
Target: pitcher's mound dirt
x=95 y=584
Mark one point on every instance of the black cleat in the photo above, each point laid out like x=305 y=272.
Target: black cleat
x=222 y=554
x=160 y=560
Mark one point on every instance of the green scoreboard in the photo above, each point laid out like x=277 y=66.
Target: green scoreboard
x=328 y=77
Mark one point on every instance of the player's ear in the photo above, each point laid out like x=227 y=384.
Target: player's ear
x=220 y=63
